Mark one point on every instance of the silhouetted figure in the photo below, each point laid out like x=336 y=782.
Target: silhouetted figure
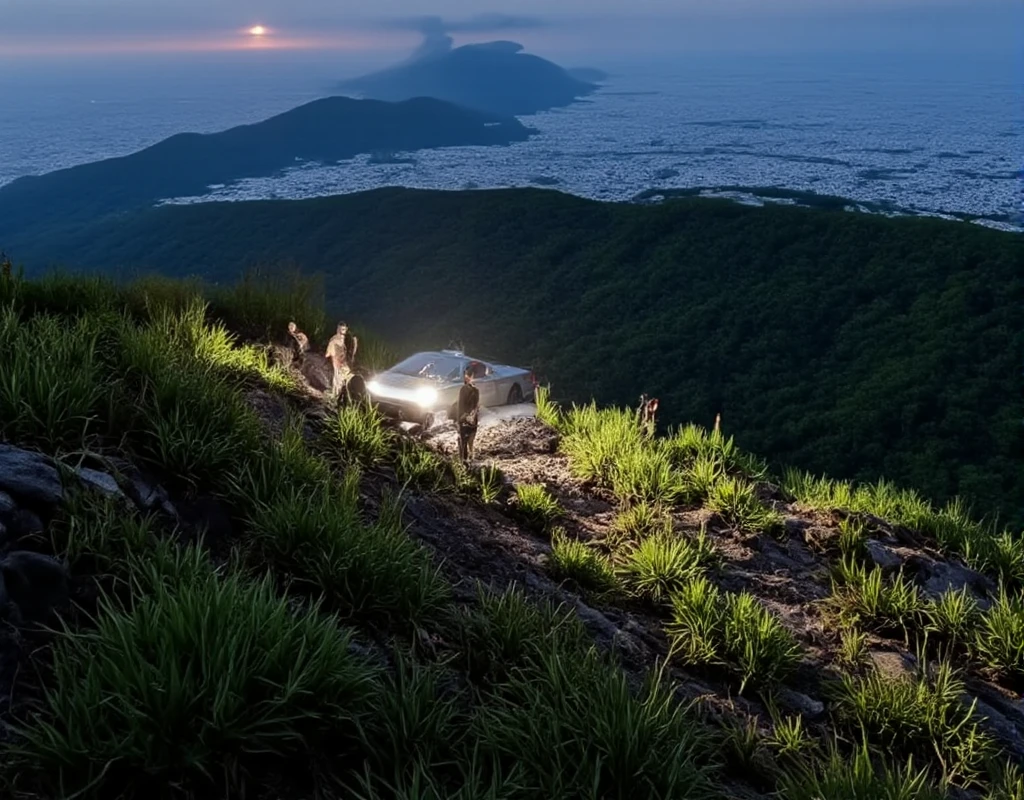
x=341 y=350
x=301 y=344
x=467 y=415
x=646 y=414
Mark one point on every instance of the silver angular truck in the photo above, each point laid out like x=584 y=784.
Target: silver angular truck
x=425 y=386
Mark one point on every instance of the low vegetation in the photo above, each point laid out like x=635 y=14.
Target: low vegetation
x=319 y=642
x=573 y=560
x=781 y=319
x=709 y=628
x=537 y=506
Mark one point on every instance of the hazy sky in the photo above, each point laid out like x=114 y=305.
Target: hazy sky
x=587 y=27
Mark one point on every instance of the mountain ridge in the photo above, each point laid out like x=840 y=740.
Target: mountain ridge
x=328 y=129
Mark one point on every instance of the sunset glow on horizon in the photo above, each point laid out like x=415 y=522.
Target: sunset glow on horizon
x=256 y=37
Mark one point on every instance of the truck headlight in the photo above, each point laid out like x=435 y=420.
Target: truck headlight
x=373 y=387
x=425 y=396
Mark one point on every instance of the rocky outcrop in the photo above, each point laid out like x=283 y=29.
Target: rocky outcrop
x=32 y=487
x=30 y=476
x=36 y=584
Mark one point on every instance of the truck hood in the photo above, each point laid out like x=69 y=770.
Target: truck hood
x=405 y=388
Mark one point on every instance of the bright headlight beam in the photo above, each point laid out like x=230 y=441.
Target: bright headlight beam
x=426 y=396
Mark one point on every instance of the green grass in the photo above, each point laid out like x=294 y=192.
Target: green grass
x=505 y=631
x=490 y=482
x=365 y=570
x=1007 y=783
x=999 y=635
x=55 y=390
x=737 y=503
x=607 y=447
x=96 y=534
x=951 y=526
x=575 y=729
x=205 y=679
x=637 y=521
x=702 y=476
x=731 y=630
x=858 y=777
x=790 y=738
x=536 y=505
x=921 y=715
x=664 y=562
x=360 y=434
x=953 y=616
x=864 y=595
x=853 y=539
x=691 y=443
x=196 y=681
x=573 y=560
x=853 y=648
x=548 y=411
x=426 y=470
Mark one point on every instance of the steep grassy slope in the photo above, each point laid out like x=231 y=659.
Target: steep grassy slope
x=319 y=606
x=858 y=346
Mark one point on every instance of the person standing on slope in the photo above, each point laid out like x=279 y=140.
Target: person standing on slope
x=302 y=342
x=467 y=414
x=341 y=350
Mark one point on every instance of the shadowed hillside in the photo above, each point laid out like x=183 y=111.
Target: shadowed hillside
x=216 y=583
x=849 y=344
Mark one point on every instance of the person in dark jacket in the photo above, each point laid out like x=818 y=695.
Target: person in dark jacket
x=467 y=414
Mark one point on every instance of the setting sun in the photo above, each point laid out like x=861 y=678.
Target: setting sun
x=257 y=30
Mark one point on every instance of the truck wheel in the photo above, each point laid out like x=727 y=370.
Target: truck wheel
x=515 y=395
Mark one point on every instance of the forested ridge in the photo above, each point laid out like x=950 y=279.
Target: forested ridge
x=856 y=345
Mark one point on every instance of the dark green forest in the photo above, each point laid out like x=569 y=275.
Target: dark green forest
x=852 y=344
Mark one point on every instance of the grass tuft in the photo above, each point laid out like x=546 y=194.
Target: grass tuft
x=733 y=630
x=202 y=681
x=665 y=562
x=864 y=595
x=366 y=570
x=737 y=503
x=954 y=615
x=920 y=715
x=842 y=777
x=361 y=434
x=576 y=730
x=536 y=505
x=573 y=560
x=999 y=636
x=640 y=520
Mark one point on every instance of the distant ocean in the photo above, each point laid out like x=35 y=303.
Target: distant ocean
x=935 y=137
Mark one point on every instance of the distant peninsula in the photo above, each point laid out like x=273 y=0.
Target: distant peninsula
x=326 y=130
x=496 y=77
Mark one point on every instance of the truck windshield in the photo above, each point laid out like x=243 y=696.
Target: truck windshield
x=430 y=366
